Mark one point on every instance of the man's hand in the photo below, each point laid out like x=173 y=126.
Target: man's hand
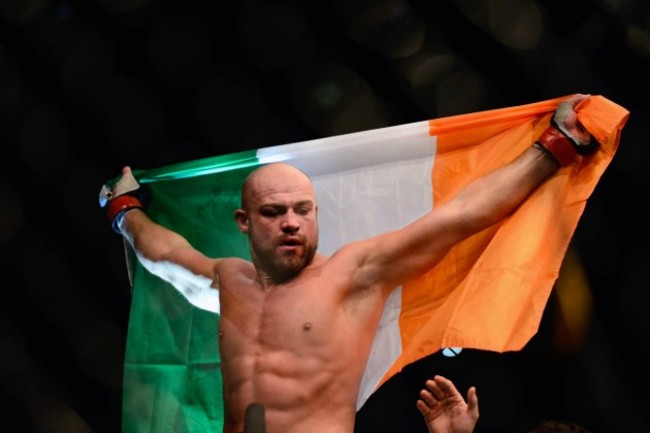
x=566 y=137
x=127 y=183
x=127 y=194
x=444 y=409
x=566 y=120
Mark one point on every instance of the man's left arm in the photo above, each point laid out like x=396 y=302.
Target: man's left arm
x=403 y=254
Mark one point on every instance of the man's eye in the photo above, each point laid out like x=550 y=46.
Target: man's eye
x=268 y=212
x=303 y=210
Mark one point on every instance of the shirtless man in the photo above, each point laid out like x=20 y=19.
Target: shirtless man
x=297 y=327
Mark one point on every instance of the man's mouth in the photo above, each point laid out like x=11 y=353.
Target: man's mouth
x=290 y=242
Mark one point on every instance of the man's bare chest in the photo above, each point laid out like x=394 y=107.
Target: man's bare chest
x=286 y=319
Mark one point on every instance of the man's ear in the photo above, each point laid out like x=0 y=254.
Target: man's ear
x=242 y=220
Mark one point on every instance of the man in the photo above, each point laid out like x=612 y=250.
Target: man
x=296 y=327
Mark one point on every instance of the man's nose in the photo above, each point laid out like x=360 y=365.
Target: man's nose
x=290 y=222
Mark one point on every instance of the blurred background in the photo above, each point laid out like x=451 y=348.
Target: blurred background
x=87 y=86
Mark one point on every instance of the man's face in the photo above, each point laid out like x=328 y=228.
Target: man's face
x=281 y=222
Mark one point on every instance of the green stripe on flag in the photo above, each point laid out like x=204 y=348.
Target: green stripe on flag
x=172 y=377
x=200 y=167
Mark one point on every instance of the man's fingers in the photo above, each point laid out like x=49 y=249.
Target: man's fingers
x=472 y=401
x=422 y=407
x=427 y=397
x=565 y=107
x=126 y=183
x=446 y=386
x=575 y=99
x=434 y=387
x=566 y=120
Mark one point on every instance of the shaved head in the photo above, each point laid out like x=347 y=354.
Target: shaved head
x=271 y=177
x=279 y=214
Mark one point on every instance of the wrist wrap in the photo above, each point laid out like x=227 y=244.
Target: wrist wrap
x=556 y=143
x=118 y=206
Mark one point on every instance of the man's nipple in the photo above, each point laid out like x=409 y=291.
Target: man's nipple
x=306 y=326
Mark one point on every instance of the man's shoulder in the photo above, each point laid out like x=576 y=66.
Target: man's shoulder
x=233 y=264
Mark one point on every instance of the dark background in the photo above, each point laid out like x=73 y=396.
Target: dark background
x=88 y=86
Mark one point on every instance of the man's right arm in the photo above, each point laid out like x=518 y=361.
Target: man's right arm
x=156 y=243
x=161 y=251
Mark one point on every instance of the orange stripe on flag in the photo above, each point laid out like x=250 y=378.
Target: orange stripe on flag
x=490 y=291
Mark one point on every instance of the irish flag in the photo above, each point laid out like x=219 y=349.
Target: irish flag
x=488 y=293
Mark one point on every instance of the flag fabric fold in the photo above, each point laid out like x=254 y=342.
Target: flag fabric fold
x=488 y=293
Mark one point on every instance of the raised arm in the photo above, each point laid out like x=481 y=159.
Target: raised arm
x=394 y=257
x=161 y=251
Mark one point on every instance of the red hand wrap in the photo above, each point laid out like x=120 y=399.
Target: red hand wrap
x=558 y=145
x=121 y=203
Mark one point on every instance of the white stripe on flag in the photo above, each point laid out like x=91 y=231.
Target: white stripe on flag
x=367 y=183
